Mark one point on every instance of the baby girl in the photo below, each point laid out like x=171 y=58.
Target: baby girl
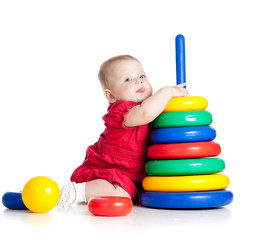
x=114 y=166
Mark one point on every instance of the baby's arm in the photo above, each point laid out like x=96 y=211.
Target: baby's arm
x=150 y=108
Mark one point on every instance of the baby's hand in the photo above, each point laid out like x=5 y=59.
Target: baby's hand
x=180 y=91
x=154 y=105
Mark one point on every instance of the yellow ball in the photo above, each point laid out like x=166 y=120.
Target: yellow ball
x=40 y=194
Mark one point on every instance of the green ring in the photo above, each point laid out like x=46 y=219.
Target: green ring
x=184 y=166
x=183 y=119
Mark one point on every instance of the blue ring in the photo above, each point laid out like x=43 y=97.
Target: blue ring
x=13 y=200
x=186 y=200
x=183 y=134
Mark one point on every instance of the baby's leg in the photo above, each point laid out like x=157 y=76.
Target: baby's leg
x=72 y=193
x=101 y=187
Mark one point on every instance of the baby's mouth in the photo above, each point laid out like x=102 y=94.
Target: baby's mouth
x=140 y=90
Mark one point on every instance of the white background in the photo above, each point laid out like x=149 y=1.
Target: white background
x=51 y=102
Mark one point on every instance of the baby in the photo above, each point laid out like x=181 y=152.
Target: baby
x=114 y=166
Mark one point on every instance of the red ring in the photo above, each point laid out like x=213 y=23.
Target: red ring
x=110 y=206
x=184 y=150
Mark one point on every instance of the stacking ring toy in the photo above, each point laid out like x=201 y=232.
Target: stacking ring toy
x=13 y=200
x=183 y=119
x=184 y=150
x=183 y=134
x=184 y=167
x=186 y=104
x=110 y=206
x=187 y=200
x=186 y=183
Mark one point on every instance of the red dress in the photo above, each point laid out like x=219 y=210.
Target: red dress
x=119 y=155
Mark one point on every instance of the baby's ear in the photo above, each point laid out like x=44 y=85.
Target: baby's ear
x=109 y=96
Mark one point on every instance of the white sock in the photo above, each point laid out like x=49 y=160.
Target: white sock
x=81 y=191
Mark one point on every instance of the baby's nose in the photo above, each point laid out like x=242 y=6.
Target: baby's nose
x=138 y=81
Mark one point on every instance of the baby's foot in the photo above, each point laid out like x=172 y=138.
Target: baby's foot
x=68 y=195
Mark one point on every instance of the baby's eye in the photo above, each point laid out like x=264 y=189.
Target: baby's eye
x=127 y=80
x=142 y=76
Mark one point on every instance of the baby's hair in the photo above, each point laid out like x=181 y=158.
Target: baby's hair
x=102 y=74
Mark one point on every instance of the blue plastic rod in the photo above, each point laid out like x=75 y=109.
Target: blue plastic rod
x=180 y=59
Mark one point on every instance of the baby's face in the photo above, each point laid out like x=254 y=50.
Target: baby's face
x=128 y=81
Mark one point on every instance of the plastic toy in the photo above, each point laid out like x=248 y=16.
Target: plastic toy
x=186 y=104
x=184 y=150
x=13 y=200
x=186 y=200
x=183 y=143
x=110 y=206
x=183 y=134
x=180 y=59
x=183 y=119
x=185 y=183
x=40 y=194
x=184 y=166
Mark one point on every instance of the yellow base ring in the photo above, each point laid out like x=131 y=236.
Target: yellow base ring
x=186 y=104
x=186 y=183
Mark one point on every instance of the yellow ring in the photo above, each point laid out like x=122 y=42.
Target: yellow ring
x=186 y=183
x=186 y=104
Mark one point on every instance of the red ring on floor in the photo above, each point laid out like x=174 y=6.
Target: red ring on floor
x=110 y=206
